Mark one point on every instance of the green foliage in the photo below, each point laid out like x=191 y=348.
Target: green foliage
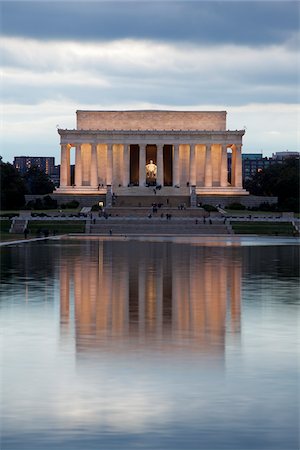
x=280 y=180
x=73 y=204
x=5 y=226
x=49 y=202
x=37 y=182
x=58 y=226
x=45 y=203
x=96 y=207
x=12 y=187
x=209 y=208
x=268 y=228
x=236 y=206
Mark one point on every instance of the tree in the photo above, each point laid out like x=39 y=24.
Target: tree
x=280 y=180
x=12 y=187
x=38 y=182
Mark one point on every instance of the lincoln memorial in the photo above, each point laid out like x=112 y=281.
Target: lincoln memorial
x=128 y=152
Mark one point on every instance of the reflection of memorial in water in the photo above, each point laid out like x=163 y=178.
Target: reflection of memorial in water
x=158 y=295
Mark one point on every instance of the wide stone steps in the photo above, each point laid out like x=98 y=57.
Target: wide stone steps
x=142 y=212
x=166 y=191
x=155 y=226
x=146 y=201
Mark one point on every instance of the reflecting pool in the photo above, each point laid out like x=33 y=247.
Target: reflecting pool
x=158 y=344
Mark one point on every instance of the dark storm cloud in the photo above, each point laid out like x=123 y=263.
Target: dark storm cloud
x=248 y=23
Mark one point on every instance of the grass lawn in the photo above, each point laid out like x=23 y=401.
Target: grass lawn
x=4 y=232
x=268 y=228
x=60 y=227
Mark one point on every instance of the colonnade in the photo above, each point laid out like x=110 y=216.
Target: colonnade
x=205 y=165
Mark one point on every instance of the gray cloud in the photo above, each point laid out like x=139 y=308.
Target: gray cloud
x=147 y=71
x=61 y=56
x=212 y=22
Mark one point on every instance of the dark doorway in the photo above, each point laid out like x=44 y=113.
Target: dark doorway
x=134 y=164
x=151 y=153
x=168 y=165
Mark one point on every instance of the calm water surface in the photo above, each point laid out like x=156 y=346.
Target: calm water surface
x=178 y=344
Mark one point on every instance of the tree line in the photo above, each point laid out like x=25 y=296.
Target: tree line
x=280 y=180
x=15 y=186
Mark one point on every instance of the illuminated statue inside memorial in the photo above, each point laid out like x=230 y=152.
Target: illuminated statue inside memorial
x=151 y=170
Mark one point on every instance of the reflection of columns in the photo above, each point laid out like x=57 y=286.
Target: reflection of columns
x=208 y=168
x=236 y=277
x=94 y=166
x=109 y=165
x=223 y=169
x=160 y=164
x=159 y=297
x=142 y=165
x=176 y=165
x=64 y=293
x=78 y=166
x=141 y=297
x=192 y=165
x=238 y=166
x=65 y=165
x=126 y=149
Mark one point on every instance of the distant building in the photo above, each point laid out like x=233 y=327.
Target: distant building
x=55 y=175
x=256 y=162
x=280 y=156
x=45 y=163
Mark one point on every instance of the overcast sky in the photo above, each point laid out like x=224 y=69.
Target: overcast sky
x=58 y=57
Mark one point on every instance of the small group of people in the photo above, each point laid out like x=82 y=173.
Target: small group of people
x=182 y=206
x=155 y=207
x=204 y=221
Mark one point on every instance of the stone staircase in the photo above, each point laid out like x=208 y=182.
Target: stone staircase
x=146 y=201
x=143 y=212
x=18 y=226
x=156 y=226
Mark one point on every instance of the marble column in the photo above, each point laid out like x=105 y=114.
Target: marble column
x=109 y=164
x=238 y=166
x=94 y=166
x=176 y=165
x=160 y=164
x=78 y=166
x=142 y=165
x=65 y=175
x=192 y=165
x=126 y=164
x=208 y=167
x=223 y=168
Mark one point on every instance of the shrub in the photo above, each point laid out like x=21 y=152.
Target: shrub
x=49 y=202
x=96 y=207
x=209 y=208
x=266 y=206
x=45 y=203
